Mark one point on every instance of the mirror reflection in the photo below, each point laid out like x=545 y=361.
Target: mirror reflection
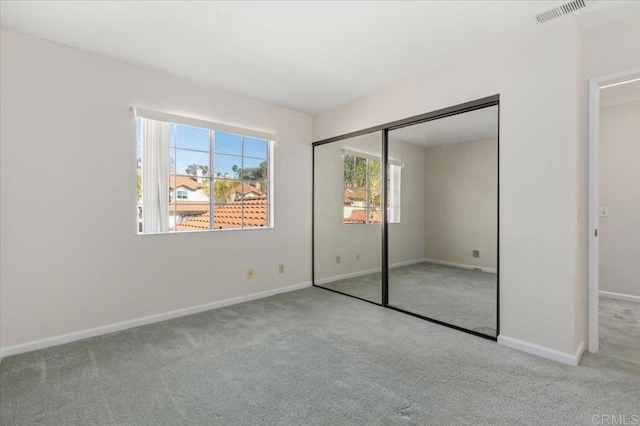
x=443 y=245
x=347 y=216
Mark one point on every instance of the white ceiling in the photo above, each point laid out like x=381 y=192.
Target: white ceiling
x=309 y=56
x=469 y=126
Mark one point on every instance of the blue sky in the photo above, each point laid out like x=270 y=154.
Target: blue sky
x=228 y=148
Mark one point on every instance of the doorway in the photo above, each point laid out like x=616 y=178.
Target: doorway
x=611 y=209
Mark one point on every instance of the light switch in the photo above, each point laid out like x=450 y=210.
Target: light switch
x=604 y=211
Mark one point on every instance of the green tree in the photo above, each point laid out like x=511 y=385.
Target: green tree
x=224 y=189
x=361 y=174
x=139 y=187
x=253 y=173
x=192 y=169
x=258 y=174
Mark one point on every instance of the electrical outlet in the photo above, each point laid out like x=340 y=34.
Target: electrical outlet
x=337 y=259
x=281 y=268
x=250 y=273
x=357 y=256
x=476 y=253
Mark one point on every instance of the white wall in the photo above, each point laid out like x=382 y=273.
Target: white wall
x=69 y=265
x=461 y=209
x=620 y=192
x=406 y=241
x=334 y=238
x=536 y=78
x=604 y=51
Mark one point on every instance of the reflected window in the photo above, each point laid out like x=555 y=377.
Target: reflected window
x=363 y=189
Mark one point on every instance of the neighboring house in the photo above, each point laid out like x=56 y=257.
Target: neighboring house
x=243 y=190
x=188 y=197
x=355 y=203
x=354 y=197
x=192 y=188
x=248 y=190
x=191 y=211
x=191 y=198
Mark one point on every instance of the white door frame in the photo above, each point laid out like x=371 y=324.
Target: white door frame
x=595 y=84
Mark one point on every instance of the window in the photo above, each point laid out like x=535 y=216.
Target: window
x=363 y=189
x=194 y=178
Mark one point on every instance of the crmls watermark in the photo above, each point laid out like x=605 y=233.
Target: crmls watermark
x=615 y=419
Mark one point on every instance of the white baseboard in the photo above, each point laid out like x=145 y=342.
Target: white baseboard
x=92 y=332
x=531 y=348
x=619 y=296
x=365 y=272
x=460 y=265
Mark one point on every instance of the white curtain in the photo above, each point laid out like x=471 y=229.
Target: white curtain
x=394 y=192
x=155 y=175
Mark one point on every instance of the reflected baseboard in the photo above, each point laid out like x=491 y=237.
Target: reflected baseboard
x=364 y=272
x=460 y=265
x=619 y=296
x=346 y=276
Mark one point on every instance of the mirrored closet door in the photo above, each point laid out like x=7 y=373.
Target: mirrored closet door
x=406 y=216
x=443 y=239
x=347 y=199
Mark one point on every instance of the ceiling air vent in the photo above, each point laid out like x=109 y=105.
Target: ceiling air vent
x=561 y=10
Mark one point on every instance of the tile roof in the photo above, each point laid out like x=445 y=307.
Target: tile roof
x=354 y=194
x=176 y=181
x=360 y=216
x=248 y=187
x=192 y=207
x=230 y=216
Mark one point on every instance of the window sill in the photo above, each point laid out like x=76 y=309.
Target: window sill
x=377 y=224
x=206 y=231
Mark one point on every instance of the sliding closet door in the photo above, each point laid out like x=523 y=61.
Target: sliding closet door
x=347 y=216
x=443 y=219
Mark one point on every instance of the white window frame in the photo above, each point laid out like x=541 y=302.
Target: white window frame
x=271 y=139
